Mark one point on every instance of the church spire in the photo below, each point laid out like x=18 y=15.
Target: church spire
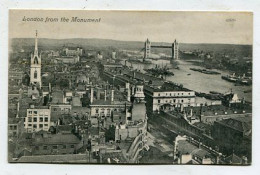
x=36 y=44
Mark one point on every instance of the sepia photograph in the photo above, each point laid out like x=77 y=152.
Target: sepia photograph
x=130 y=87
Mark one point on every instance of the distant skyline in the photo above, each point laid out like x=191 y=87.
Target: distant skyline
x=186 y=27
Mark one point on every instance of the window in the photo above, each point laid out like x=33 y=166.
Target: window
x=35 y=61
x=30 y=112
x=41 y=119
x=72 y=146
x=174 y=100
x=37 y=147
x=46 y=119
x=34 y=119
x=35 y=112
x=182 y=101
x=64 y=146
x=159 y=95
x=96 y=110
x=30 y=125
x=29 y=119
x=15 y=127
x=45 y=147
x=11 y=127
x=159 y=101
x=45 y=125
x=54 y=147
x=41 y=125
x=35 y=74
x=170 y=94
x=34 y=126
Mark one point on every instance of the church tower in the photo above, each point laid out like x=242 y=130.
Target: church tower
x=35 y=73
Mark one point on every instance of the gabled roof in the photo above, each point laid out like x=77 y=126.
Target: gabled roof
x=242 y=124
x=233 y=159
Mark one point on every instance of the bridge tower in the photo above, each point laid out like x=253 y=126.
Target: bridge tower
x=175 y=50
x=147 y=49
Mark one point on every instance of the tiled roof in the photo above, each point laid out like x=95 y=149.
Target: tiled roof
x=109 y=102
x=68 y=158
x=57 y=139
x=242 y=124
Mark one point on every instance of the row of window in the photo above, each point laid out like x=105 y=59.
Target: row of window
x=45 y=147
x=108 y=110
x=35 y=119
x=14 y=127
x=61 y=109
x=172 y=101
x=39 y=126
x=36 y=112
x=174 y=94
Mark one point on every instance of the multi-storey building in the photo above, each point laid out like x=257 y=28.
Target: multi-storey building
x=37 y=119
x=168 y=97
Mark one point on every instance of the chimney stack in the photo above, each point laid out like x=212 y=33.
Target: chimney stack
x=127 y=85
x=91 y=95
x=133 y=90
x=112 y=95
x=128 y=95
x=49 y=87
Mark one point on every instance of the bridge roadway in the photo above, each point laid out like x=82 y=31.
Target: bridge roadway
x=161 y=47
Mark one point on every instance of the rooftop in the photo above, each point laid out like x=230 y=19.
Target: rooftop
x=68 y=158
x=242 y=124
x=56 y=139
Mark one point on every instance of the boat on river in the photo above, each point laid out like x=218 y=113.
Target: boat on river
x=205 y=71
x=238 y=79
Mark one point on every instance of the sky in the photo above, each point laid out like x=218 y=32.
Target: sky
x=158 y=26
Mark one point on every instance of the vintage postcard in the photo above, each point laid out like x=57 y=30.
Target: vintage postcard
x=130 y=87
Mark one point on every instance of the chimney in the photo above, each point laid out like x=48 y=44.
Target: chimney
x=128 y=95
x=127 y=85
x=18 y=107
x=91 y=95
x=49 y=87
x=105 y=94
x=133 y=90
x=134 y=75
x=112 y=95
x=190 y=112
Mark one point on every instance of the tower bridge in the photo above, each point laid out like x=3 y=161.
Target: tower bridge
x=175 y=49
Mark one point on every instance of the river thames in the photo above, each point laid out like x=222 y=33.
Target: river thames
x=197 y=81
